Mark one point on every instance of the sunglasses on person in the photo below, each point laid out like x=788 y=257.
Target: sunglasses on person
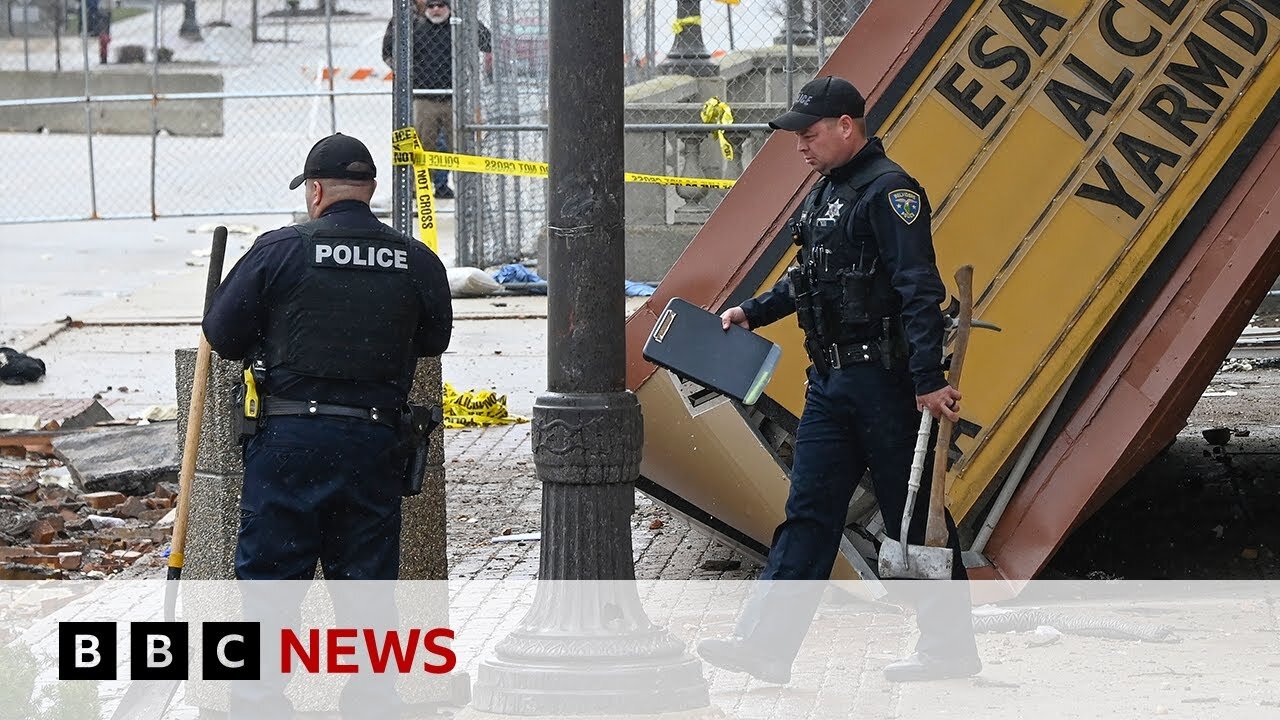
x=436 y=5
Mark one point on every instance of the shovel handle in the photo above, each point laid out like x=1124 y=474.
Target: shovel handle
x=195 y=413
x=913 y=483
x=936 y=532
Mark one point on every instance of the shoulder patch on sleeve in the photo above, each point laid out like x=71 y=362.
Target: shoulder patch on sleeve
x=905 y=204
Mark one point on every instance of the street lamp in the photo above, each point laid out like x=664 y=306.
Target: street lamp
x=688 y=54
x=586 y=646
x=794 y=29
x=190 y=29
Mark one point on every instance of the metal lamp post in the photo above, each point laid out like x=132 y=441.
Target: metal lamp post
x=795 y=31
x=190 y=29
x=586 y=645
x=688 y=54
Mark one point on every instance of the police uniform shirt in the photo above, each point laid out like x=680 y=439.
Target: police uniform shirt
x=432 y=59
x=237 y=319
x=899 y=219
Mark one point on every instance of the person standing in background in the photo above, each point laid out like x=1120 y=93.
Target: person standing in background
x=432 y=63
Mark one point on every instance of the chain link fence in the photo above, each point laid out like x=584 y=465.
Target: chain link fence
x=208 y=107
x=181 y=110
x=753 y=55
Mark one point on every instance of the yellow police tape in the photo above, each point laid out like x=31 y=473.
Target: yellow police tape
x=681 y=23
x=717 y=112
x=406 y=140
x=407 y=150
x=476 y=408
x=528 y=168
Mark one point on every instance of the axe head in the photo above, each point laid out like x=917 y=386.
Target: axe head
x=922 y=562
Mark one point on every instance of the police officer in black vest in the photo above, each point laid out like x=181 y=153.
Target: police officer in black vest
x=866 y=291
x=336 y=311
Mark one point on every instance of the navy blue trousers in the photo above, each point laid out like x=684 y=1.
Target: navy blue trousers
x=858 y=418
x=319 y=488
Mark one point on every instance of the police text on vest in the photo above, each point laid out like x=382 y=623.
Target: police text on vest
x=362 y=256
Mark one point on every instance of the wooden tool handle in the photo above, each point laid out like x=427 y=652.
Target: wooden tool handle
x=936 y=530
x=195 y=412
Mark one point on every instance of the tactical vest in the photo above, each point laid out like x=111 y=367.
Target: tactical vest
x=353 y=313
x=850 y=293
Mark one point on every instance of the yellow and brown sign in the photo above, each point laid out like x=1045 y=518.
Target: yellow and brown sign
x=1061 y=143
x=1064 y=146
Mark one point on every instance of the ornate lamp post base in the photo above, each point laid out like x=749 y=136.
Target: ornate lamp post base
x=587 y=648
x=695 y=64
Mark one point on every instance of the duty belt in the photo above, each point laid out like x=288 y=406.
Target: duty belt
x=277 y=406
x=853 y=353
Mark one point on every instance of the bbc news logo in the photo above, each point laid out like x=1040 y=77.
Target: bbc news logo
x=233 y=651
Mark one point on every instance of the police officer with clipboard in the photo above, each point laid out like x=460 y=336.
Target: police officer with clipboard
x=333 y=313
x=866 y=292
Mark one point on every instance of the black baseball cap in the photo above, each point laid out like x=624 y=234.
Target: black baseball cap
x=824 y=97
x=337 y=156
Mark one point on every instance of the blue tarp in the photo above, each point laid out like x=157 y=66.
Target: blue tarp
x=638 y=289
x=515 y=273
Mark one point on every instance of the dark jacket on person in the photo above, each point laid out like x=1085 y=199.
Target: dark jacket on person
x=432 y=52
x=270 y=276
x=882 y=218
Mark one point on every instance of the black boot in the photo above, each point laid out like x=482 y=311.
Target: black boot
x=919 y=666
x=737 y=655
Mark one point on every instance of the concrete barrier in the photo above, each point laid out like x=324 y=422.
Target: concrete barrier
x=179 y=117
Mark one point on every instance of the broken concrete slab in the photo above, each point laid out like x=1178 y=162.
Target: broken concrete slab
x=95 y=413
x=128 y=460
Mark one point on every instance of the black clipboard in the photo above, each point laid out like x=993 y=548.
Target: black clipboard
x=691 y=343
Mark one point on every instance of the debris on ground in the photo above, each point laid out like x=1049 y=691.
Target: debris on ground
x=232 y=229
x=51 y=531
x=1046 y=623
x=80 y=496
x=13 y=421
x=631 y=288
x=508 y=536
x=128 y=460
x=18 y=368
x=1247 y=364
x=516 y=278
x=471 y=282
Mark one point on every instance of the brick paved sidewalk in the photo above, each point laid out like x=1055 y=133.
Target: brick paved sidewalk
x=491 y=487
